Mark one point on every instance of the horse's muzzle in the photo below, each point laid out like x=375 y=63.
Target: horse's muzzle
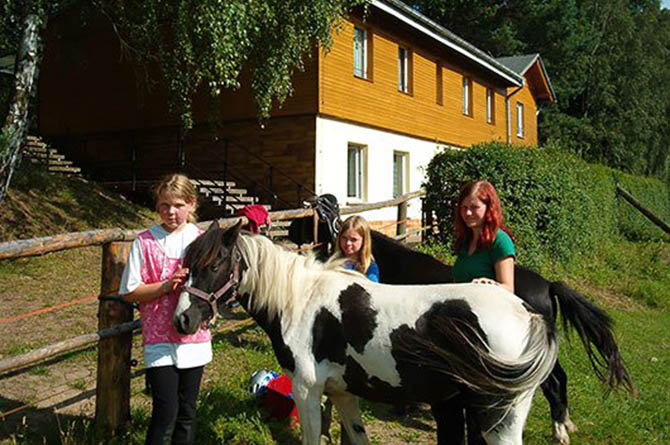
x=184 y=324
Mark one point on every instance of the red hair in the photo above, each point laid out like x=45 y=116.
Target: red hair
x=493 y=218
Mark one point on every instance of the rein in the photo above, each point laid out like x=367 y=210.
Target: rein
x=213 y=297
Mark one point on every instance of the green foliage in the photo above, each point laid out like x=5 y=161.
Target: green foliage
x=652 y=194
x=557 y=205
x=205 y=45
x=608 y=62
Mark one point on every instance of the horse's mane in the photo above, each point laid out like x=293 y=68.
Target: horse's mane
x=279 y=280
x=204 y=249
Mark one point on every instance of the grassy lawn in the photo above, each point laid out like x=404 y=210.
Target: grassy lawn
x=631 y=280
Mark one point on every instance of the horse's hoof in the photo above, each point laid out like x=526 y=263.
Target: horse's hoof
x=561 y=434
x=569 y=425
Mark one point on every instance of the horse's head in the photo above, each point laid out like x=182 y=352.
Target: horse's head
x=214 y=274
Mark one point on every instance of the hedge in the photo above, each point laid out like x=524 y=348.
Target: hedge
x=556 y=204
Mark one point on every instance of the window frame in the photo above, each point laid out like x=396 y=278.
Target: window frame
x=490 y=106
x=520 y=124
x=439 y=84
x=404 y=70
x=403 y=180
x=466 y=96
x=365 y=74
x=360 y=175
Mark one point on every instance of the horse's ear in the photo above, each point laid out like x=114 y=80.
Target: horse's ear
x=213 y=226
x=232 y=233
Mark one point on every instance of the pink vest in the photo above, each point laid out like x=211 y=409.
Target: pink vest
x=156 y=315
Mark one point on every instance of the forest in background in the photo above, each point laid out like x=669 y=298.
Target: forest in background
x=608 y=61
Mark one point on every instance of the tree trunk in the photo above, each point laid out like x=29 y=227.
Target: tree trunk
x=27 y=68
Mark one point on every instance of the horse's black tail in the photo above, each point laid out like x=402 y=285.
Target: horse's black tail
x=594 y=328
x=455 y=346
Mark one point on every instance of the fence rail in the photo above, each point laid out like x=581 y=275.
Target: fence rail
x=115 y=324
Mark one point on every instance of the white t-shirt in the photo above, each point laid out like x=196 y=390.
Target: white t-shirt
x=188 y=355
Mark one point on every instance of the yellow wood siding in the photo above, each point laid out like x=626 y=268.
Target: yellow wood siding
x=378 y=103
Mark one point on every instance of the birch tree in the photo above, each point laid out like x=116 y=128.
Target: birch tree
x=12 y=135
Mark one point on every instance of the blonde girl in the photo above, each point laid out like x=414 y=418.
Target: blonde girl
x=152 y=277
x=355 y=244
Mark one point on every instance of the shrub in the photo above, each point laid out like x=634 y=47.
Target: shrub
x=556 y=204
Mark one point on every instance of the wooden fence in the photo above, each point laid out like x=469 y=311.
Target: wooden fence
x=115 y=318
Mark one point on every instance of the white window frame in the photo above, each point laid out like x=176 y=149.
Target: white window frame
x=519 y=119
x=403 y=69
x=356 y=179
x=490 y=105
x=467 y=90
x=362 y=53
x=401 y=175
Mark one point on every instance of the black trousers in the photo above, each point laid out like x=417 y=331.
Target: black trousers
x=451 y=419
x=173 y=393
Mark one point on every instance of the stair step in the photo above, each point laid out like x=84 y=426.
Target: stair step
x=211 y=183
x=239 y=200
x=60 y=163
x=64 y=169
x=40 y=149
x=220 y=191
x=45 y=157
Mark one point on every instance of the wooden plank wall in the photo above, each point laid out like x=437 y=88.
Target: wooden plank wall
x=87 y=86
x=378 y=102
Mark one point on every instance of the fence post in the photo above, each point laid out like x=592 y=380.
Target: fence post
x=401 y=227
x=112 y=407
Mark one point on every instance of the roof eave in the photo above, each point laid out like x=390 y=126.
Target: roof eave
x=447 y=38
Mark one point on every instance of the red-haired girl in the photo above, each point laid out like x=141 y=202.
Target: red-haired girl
x=483 y=244
x=485 y=254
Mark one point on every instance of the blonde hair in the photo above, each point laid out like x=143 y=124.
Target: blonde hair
x=360 y=226
x=181 y=187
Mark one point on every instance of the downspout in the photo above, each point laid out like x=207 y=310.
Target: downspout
x=509 y=114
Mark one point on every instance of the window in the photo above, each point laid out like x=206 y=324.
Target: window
x=490 y=106
x=404 y=67
x=355 y=160
x=519 y=119
x=360 y=52
x=467 y=96
x=400 y=176
x=438 y=84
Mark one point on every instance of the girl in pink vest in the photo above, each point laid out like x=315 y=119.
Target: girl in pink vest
x=152 y=278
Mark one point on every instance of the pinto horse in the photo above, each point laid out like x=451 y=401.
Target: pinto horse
x=337 y=333
x=398 y=264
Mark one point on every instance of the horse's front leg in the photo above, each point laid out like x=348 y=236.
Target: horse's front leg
x=308 y=401
x=350 y=416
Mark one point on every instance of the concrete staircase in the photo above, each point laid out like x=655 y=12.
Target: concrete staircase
x=214 y=193
x=38 y=152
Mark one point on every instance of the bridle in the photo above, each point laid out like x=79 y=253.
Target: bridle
x=233 y=282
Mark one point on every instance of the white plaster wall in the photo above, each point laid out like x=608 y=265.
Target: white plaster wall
x=332 y=140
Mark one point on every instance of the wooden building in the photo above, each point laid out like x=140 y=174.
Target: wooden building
x=364 y=120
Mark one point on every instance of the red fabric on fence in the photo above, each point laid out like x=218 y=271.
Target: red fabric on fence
x=257 y=216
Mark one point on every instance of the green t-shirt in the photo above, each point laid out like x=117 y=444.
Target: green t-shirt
x=481 y=262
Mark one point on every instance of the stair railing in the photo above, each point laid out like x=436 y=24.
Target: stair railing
x=300 y=188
